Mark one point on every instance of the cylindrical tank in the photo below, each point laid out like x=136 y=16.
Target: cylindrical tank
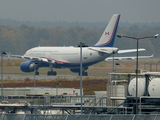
x=141 y=87
x=154 y=87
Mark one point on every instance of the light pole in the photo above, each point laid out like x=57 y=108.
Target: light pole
x=113 y=69
x=139 y=38
x=57 y=84
x=2 y=53
x=116 y=65
x=81 y=73
x=34 y=81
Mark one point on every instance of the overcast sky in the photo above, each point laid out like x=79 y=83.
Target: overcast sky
x=131 y=11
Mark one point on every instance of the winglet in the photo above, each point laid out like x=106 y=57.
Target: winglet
x=108 y=36
x=152 y=55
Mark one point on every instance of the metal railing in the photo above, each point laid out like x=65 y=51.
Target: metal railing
x=48 y=100
x=77 y=117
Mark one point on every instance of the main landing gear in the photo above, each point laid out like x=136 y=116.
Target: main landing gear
x=51 y=72
x=77 y=70
x=48 y=73
x=83 y=73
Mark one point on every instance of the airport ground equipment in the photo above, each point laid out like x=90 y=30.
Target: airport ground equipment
x=119 y=99
x=121 y=92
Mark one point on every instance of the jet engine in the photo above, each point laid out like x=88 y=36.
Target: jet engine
x=28 y=66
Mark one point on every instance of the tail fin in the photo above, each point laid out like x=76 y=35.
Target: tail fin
x=108 y=36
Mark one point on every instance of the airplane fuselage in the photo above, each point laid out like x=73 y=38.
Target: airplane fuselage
x=66 y=57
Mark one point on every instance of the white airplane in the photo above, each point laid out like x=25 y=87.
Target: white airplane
x=69 y=57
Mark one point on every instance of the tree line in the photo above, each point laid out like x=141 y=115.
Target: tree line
x=19 y=39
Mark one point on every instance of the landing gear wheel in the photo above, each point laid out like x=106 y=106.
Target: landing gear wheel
x=36 y=73
x=54 y=73
x=51 y=73
x=83 y=74
x=48 y=73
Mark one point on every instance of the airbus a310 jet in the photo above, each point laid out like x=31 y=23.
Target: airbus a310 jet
x=69 y=57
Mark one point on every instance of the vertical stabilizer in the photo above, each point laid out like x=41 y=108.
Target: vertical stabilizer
x=108 y=36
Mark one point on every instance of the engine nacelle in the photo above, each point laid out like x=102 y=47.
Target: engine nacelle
x=27 y=66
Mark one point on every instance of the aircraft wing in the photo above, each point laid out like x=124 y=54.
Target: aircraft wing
x=128 y=58
x=17 y=56
x=110 y=50
x=32 y=58
x=130 y=50
x=39 y=59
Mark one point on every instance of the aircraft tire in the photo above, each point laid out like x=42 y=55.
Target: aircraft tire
x=36 y=73
x=83 y=74
x=48 y=73
x=51 y=73
x=54 y=73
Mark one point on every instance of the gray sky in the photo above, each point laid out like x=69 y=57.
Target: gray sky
x=81 y=10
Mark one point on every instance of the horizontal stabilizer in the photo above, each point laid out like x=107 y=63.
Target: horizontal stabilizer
x=130 y=50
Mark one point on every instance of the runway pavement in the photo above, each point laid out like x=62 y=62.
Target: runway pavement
x=23 y=76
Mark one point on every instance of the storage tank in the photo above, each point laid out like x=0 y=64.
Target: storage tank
x=154 y=87
x=141 y=87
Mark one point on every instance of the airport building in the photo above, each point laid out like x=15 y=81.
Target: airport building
x=28 y=91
